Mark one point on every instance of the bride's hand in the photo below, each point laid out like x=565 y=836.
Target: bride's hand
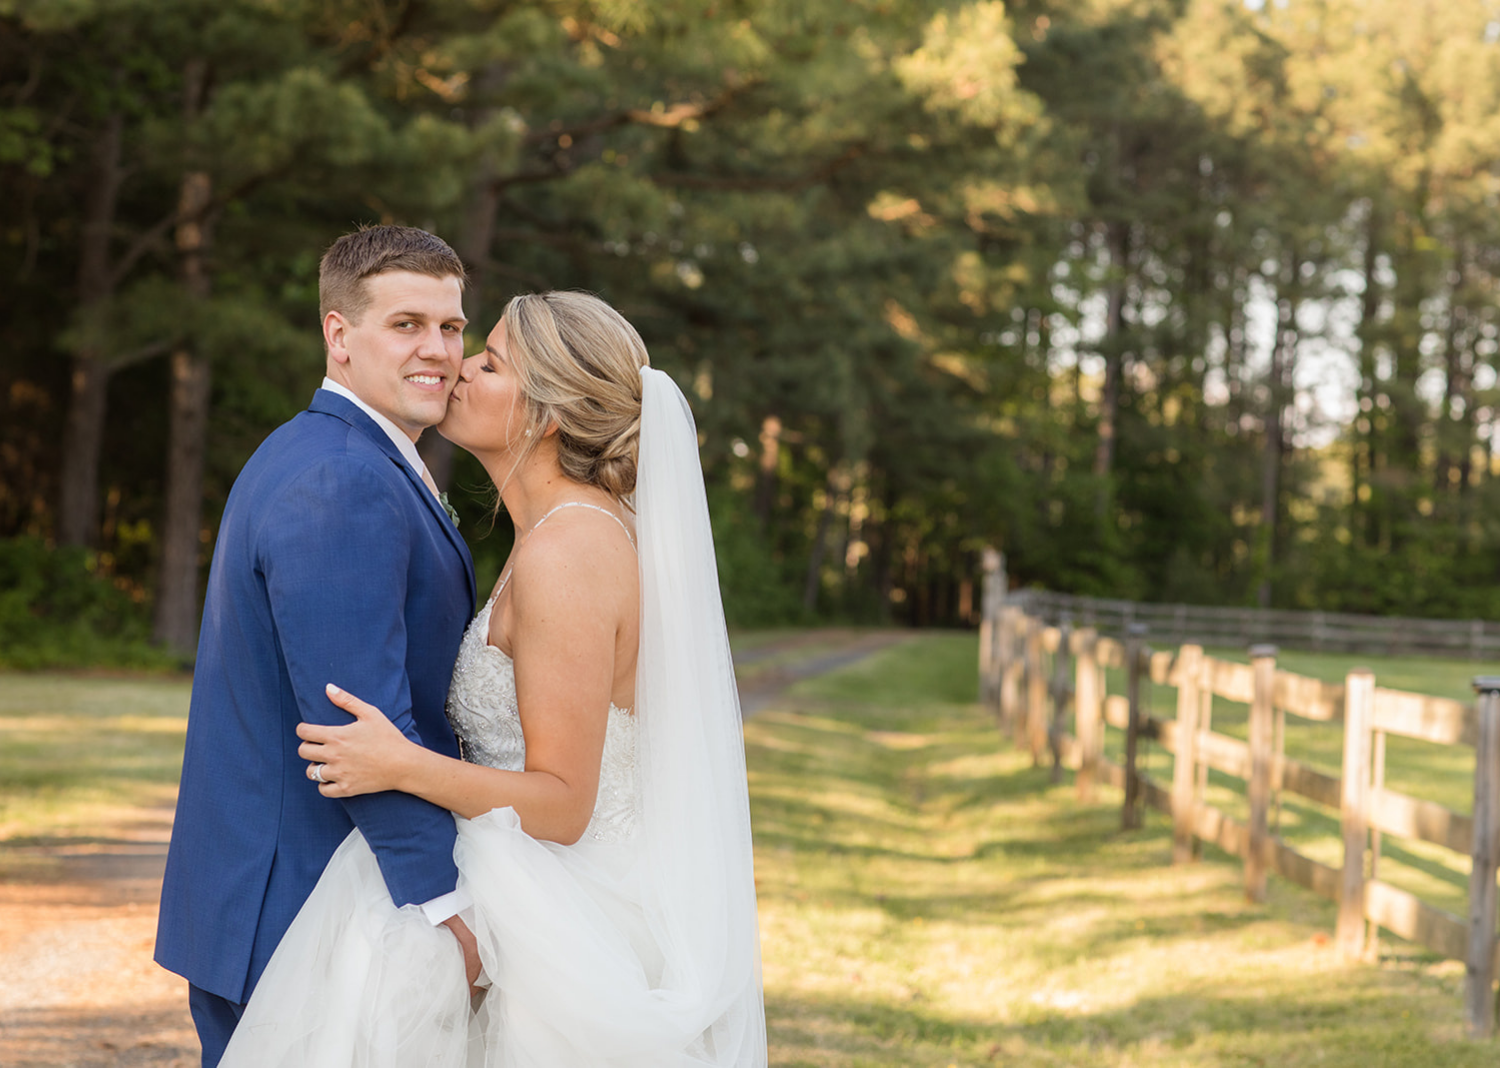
x=362 y=757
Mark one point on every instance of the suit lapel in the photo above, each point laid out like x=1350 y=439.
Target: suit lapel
x=332 y=404
x=440 y=516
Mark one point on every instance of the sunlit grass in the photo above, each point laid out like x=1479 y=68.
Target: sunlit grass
x=80 y=754
x=1440 y=773
x=927 y=898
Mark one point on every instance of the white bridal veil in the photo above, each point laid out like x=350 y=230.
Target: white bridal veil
x=643 y=953
x=695 y=807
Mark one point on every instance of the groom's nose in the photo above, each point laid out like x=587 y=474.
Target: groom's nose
x=433 y=343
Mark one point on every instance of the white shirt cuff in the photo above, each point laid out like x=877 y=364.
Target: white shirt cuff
x=442 y=909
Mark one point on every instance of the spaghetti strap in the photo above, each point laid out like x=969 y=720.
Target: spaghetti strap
x=585 y=504
x=548 y=515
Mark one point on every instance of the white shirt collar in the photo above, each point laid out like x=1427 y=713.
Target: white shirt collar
x=404 y=444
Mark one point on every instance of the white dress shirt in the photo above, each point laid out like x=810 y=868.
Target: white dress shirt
x=404 y=444
x=439 y=909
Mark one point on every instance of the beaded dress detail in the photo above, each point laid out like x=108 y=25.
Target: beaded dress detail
x=486 y=717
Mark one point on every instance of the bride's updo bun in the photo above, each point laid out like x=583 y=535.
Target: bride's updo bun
x=579 y=365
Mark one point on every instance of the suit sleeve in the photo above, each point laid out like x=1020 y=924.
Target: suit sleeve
x=334 y=550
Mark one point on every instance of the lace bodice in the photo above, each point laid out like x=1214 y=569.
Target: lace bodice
x=485 y=715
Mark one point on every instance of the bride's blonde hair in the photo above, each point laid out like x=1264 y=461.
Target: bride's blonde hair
x=578 y=362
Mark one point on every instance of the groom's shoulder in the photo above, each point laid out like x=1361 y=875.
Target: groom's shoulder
x=322 y=446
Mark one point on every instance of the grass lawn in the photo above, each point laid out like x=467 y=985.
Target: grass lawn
x=928 y=899
x=80 y=754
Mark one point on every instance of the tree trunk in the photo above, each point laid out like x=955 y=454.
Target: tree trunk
x=1117 y=235
x=770 y=461
x=1234 y=349
x=1278 y=382
x=1363 y=524
x=1456 y=421
x=832 y=489
x=176 y=624
x=177 y=605
x=78 y=504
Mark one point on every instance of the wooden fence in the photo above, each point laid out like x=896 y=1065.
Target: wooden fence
x=1047 y=685
x=1474 y=639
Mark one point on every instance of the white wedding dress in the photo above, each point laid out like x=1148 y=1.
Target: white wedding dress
x=636 y=947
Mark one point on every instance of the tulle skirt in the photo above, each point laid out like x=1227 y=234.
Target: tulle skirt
x=575 y=970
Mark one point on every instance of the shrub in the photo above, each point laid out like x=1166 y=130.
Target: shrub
x=758 y=591
x=57 y=611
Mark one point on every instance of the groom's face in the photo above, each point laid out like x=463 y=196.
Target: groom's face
x=402 y=356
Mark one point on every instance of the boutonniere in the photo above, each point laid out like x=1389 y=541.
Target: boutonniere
x=452 y=512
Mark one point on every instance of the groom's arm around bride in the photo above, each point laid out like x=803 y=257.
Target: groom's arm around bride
x=334 y=563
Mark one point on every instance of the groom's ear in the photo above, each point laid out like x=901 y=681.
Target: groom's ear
x=335 y=326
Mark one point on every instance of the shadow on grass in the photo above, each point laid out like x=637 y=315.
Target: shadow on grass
x=1312 y=1019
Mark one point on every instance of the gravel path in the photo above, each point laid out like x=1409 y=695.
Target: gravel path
x=77 y=984
x=78 y=916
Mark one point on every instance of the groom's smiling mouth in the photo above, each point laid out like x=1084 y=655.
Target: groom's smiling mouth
x=425 y=380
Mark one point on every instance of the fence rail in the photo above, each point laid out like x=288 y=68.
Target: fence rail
x=1047 y=683
x=1474 y=639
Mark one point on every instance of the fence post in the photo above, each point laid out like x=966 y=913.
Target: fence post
x=1087 y=713
x=1479 y=963
x=991 y=660
x=1354 y=807
x=1135 y=647
x=1185 y=762
x=1061 y=692
x=1013 y=664
x=1033 y=726
x=1262 y=731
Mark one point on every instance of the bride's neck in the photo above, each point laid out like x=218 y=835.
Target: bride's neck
x=536 y=487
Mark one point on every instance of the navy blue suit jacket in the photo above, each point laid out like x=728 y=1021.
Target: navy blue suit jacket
x=334 y=563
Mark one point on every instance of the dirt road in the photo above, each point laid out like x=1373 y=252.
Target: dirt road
x=77 y=984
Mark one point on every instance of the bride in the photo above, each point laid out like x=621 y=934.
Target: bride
x=603 y=822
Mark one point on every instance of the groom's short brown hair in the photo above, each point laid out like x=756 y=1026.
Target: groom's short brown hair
x=373 y=250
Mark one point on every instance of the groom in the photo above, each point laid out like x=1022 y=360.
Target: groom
x=335 y=562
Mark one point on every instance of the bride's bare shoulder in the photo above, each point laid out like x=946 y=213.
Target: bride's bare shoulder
x=584 y=557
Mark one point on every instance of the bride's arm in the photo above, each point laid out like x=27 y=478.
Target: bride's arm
x=565 y=607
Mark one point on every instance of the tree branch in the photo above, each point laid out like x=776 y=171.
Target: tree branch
x=145 y=352
x=148 y=239
x=561 y=163
x=668 y=118
x=760 y=183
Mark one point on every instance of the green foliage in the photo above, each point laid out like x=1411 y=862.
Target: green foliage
x=1042 y=275
x=57 y=611
x=758 y=591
